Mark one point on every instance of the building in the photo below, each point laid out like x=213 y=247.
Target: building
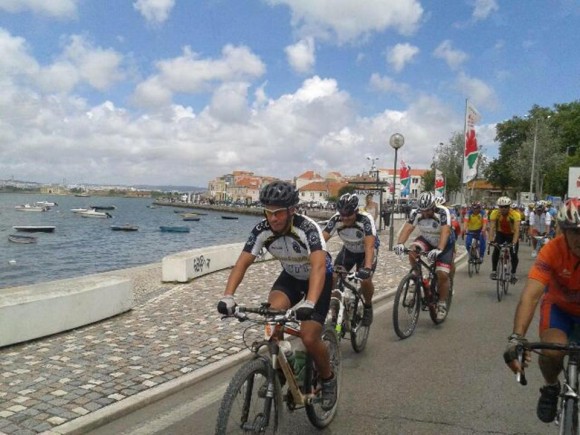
x=320 y=191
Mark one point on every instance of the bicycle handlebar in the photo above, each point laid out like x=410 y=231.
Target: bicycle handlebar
x=282 y=316
x=532 y=346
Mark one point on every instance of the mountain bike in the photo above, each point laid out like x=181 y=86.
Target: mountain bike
x=567 y=417
x=504 y=268
x=474 y=261
x=253 y=399
x=346 y=309
x=417 y=291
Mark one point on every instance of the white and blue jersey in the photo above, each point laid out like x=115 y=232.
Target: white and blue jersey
x=293 y=249
x=353 y=236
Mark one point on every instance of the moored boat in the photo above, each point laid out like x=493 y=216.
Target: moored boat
x=229 y=217
x=174 y=229
x=45 y=204
x=28 y=207
x=35 y=228
x=125 y=227
x=92 y=213
x=103 y=207
x=191 y=218
x=18 y=238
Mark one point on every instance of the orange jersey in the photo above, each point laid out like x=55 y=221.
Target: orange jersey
x=559 y=270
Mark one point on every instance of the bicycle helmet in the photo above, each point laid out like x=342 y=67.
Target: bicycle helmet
x=476 y=204
x=426 y=201
x=569 y=214
x=280 y=193
x=347 y=204
x=504 y=201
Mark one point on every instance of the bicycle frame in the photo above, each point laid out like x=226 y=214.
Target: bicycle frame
x=344 y=292
x=428 y=299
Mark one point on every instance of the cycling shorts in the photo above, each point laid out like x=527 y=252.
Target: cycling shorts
x=349 y=259
x=296 y=289
x=445 y=260
x=552 y=316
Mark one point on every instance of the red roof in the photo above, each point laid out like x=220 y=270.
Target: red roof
x=309 y=175
x=332 y=187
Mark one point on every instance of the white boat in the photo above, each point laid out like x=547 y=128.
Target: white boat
x=92 y=213
x=79 y=210
x=45 y=203
x=28 y=207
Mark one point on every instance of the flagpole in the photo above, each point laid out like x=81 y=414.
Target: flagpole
x=463 y=201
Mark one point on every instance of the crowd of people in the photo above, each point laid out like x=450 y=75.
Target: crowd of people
x=307 y=277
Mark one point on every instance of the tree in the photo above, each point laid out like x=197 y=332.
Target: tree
x=449 y=160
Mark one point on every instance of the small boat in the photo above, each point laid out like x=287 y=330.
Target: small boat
x=125 y=227
x=103 y=207
x=229 y=217
x=82 y=195
x=17 y=238
x=79 y=210
x=152 y=206
x=92 y=213
x=28 y=207
x=35 y=228
x=174 y=229
x=191 y=218
x=45 y=204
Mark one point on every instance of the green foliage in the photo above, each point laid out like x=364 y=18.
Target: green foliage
x=349 y=188
x=449 y=160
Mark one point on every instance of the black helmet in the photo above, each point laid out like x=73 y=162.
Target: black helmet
x=279 y=193
x=426 y=201
x=347 y=204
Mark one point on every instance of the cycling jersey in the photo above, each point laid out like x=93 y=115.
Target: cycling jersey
x=353 y=236
x=430 y=227
x=475 y=221
x=559 y=270
x=541 y=223
x=504 y=224
x=293 y=249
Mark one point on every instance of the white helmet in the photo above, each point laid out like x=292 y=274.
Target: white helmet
x=426 y=201
x=504 y=201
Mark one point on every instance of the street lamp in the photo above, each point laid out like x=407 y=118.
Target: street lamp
x=396 y=140
x=376 y=171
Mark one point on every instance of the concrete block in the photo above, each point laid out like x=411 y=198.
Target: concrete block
x=188 y=265
x=38 y=310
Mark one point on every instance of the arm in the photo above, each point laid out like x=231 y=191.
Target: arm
x=516 y=236
x=369 y=242
x=531 y=295
x=237 y=274
x=317 y=275
x=405 y=233
x=444 y=238
x=326 y=235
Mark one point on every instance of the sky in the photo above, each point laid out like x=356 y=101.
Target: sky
x=176 y=92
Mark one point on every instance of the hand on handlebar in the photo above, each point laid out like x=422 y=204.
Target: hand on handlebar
x=399 y=249
x=364 y=273
x=510 y=355
x=227 y=305
x=304 y=310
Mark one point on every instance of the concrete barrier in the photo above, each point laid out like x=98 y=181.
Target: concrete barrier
x=38 y=310
x=188 y=265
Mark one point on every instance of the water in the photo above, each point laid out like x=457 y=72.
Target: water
x=82 y=246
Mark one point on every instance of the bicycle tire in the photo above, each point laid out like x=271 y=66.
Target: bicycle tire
x=499 y=283
x=402 y=308
x=470 y=267
x=478 y=264
x=569 y=417
x=359 y=334
x=317 y=416
x=241 y=404
x=506 y=278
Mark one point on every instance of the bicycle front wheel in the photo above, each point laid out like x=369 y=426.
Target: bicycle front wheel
x=244 y=408
x=312 y=385
x=407 y=306
x=507 y=276
x=359 y=334
x=470 y=266
x=499 y=283
x=569 y=417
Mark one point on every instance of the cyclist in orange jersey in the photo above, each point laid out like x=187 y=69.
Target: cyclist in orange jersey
x=554 y=280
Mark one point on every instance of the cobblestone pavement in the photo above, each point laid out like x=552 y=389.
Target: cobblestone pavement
x=173 y=331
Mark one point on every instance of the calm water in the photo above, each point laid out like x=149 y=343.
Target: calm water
x=81 y=246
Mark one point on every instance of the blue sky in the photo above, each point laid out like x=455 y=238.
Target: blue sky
x=179 y=92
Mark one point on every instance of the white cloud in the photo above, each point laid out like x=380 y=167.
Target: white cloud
x=191 y=74
x=483 y=8
x=478 y=91
x=387 y=84
x=453 y=57
x=401 y=54
x=349 y=20
x=154 y=11
x=301 y=56
x=54 y=8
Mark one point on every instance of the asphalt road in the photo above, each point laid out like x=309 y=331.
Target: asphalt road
x=447 y=379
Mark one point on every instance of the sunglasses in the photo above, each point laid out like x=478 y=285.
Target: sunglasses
x=276 y=213
x=504 y=206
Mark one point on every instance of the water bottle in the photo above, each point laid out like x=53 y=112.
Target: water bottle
x=299 y=365
x=286 y=347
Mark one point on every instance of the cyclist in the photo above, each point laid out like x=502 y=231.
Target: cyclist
x=554 y=279
x=306 y=279
x=474 y=225
x=540 y=222
x=436 y=238
x=504 y=227
x=360 y=247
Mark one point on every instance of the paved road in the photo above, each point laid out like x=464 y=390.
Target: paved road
x=75 y=380
x=447 y=379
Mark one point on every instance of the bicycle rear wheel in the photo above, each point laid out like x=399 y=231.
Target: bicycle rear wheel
x=244 y=408
x=318 y=416
x=407 y=306
x=359 y=334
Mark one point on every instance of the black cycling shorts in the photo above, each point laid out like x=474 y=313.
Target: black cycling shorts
x=296 y=289
x=349 y=259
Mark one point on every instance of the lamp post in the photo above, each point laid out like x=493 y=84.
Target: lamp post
x=376 y=171
x=534 y=159
x=396 y=140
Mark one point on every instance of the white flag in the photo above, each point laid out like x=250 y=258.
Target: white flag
x=471 y=153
